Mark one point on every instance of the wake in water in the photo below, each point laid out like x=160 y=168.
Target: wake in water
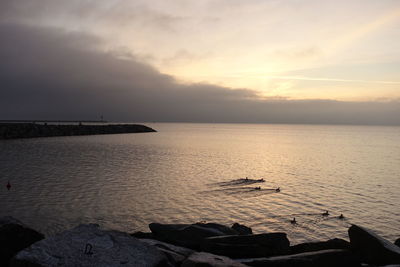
x=240 y=181
x=241 y=187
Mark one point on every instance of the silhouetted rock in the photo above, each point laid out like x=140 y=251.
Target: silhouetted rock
x=188 y=235
x=202 y=259
x=372 y=248
x=247 y=246
x=325 y=258
x=242 y=229
x=14 y=237
x=31 y=130
x=335 y=243
x=140 y=234
x=397 y=242
x=87 y=245
x=174 y=253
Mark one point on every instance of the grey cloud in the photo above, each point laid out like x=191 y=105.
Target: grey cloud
x=46 y=73
x=90 y=13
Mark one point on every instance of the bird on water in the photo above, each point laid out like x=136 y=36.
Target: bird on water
x=326 y=213
x=293 y=221
x=8 y=185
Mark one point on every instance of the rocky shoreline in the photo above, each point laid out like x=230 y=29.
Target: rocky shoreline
x=33 y=130
x=199 y=244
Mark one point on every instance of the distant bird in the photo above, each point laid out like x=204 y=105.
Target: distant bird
x=247 y=179
x=293 y=221
x=8 y=185
x=326 y=213
x=278 y=189
x=257 y=188
x=341 y=216
x=261 y=180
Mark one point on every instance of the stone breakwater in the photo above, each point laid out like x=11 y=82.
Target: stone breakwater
x=187 y=245
x=32 y=130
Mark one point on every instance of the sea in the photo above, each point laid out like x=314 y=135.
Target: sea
x=223 y=173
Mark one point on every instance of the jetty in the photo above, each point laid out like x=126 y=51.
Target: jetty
x=34 y=129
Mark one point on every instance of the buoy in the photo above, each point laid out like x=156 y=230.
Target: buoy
x=8 y=185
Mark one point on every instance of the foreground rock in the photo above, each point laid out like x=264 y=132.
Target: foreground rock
x=335 y=243
x=175 y=254
x=188 y=235
x=372 y=248
x=247 y=246
x=202 y=259
x=141 y=235
x=242 y=229
x=397 y=242
x=325 y=258
x=14 y=237
x=87 y=245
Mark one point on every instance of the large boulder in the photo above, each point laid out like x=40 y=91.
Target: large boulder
x=188 y=235
x=88 y=245
x=174 y=253
x=141 y=234
x=247 y=246
x=14 y=237
x=372 y=248
x=335 y=243
x=397 y=242
x=202 y=259
x=242 y=229
x=326 y=258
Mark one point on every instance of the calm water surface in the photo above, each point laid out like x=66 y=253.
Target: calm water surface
x=186 y=173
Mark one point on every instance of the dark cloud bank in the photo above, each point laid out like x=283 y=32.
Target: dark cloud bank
x=47 y=73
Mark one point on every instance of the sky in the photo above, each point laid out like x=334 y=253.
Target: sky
x=257 y=61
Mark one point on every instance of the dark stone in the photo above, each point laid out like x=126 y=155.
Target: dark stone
x=140 y=234
x=217 y=228
x=188 y=235
x=247 y=246
x=14 y=237
x=174 y=253
x=372 y=248
x=325 y=258
x=397 y=242
x=87 y=245
x=202 y=259
x=335 y=243
x=242 y=229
